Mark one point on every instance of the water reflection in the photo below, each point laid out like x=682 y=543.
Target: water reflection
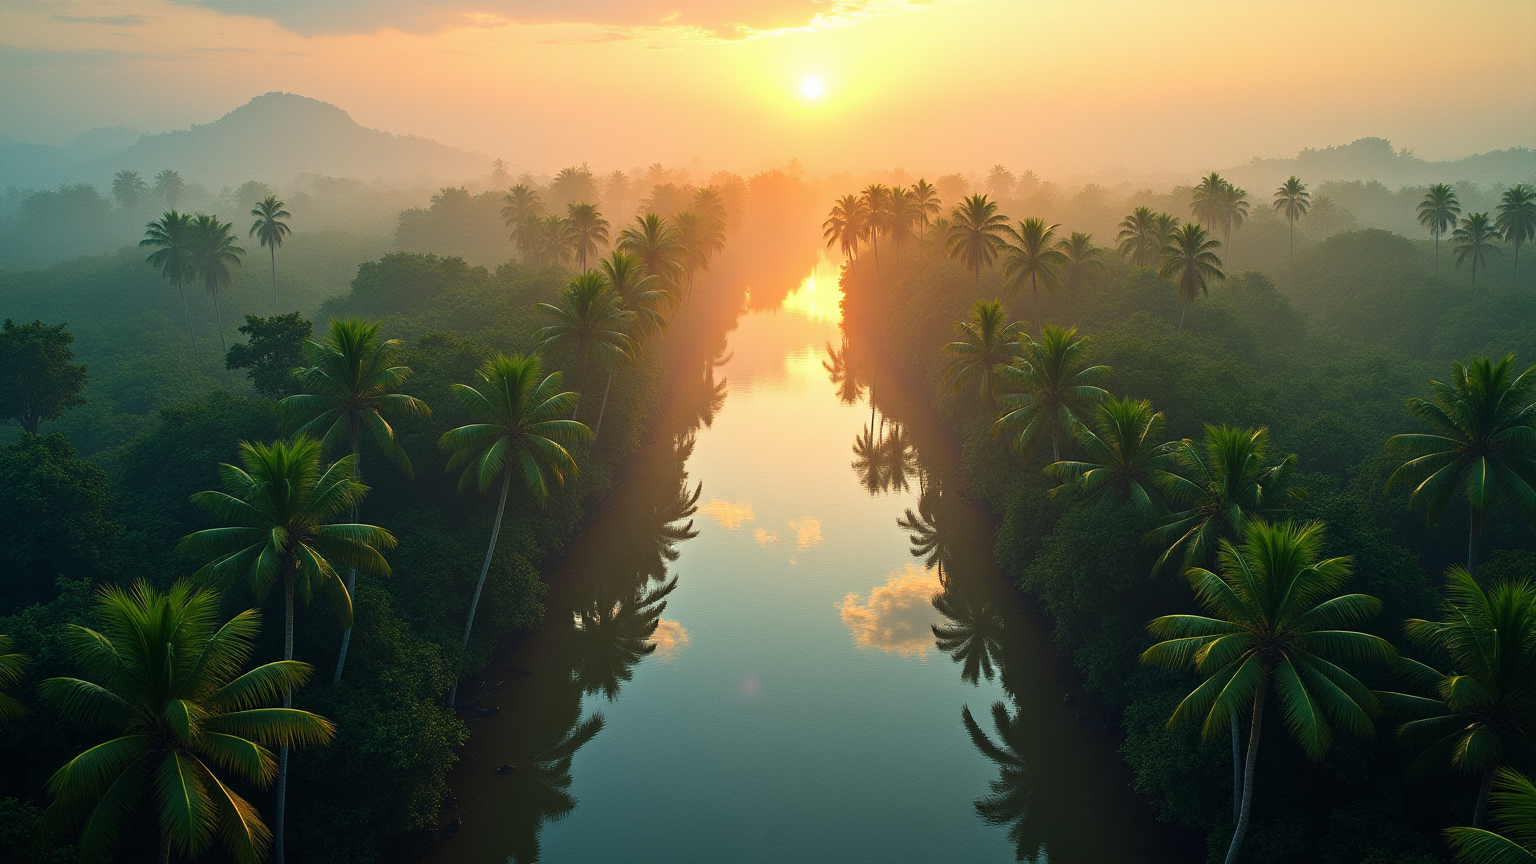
x=612 y=635
x=1012 y=790
x=885 y=458
x=898 y=617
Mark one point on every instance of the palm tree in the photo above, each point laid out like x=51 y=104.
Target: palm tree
x=169 y=186
x=656 y=244
x=1138 y=239
x=1055 y=389
x=1164 y=226
x=352 y=382
x=1081 y=260
x=588 y=326
x=1482 y=443
x=1514 y=801
x=1274 y=627
x=1475 y=240
x=214 y=253
x=1292 y=200
x=845 y=225
x=1482 y=712
x=279 y=508
x=1233 y=212
x=128 y=188
x=519 y=430
x=925 y=201
x=1209 y=201
x=269 y=230
x=903 y=217
x=1438 y=212
x=1190 y=260
x=973 y=636
x=588 y=229
x=877 y=217
x=694 y=245
x=1121 y=453
x=986 y=344
x=555 y=241
x=520 y=213
x=842 y=374
x=636 y=292
x=1009 y=802
x=1029 y=256
x=974 y=233
x=1517 y=218
x=166 y=678
x=1218 y=487
x=12 y=665
x=171 y=238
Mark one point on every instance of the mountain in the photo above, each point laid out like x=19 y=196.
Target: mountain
x=1369 y=159
x=273 y=138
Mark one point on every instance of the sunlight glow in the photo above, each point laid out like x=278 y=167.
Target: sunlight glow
x=811 y=88
x=819 y=296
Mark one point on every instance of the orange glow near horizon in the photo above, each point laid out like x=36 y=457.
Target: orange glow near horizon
x=819 y=297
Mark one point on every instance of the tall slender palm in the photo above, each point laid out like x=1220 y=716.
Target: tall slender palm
x=166 y=678
x=1276 y=626
x=975 y=231
x=657 y=245
x=589 y=327
x=1138 y=239
x=1480 y=713
x=925 y=201
x=1438 y=212
x=129 y=189
x=351 y=384
x=1121 y=452
x=214 y=254
x=269 y=229
x=1217 y=487
x=695 y=245
x=1517 y=218
x=843 y=374
x=171 y=238
x=1055 y=389
x=12 y=665
x=589 y=231
x=1190 y=261
x=518 y=430
x=170 y=187
x=520 y=213
x=1514 y=802
x=1028 y=255
x=636 y=292
x=278 y=508
x=1082 y=261
x=986 y=343
x=1234 y=211
x=1208 y=201
x=1164 y=226
x=877 y=217
x=1292 y=200
x=902 y=218
x=1481 y=443
x=845 y=225
x=1475 y=240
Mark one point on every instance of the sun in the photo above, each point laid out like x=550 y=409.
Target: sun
x=811 y=87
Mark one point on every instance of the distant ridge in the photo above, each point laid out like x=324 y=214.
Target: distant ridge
x=1376 y=159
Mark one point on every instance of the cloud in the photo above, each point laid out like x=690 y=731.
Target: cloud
x=730 y=515
x=764 y=536
x=669 y=638
x=109 y=20
x=898 y=615
x=807 y=532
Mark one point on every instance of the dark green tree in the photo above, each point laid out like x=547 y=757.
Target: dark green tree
x=37 y=380
x=275 y=348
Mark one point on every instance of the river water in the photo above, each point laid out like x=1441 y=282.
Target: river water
x=783 y=639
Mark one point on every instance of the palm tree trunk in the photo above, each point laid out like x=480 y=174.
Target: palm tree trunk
x=597 y=430
x=1292 y=220
x=346 y=634
x=272 y=250
x=282 y=758
x=1183 y=308
x=1483 y=787
x=219 y=316
x=191 y=336
x=1437 y=251
x=1237 y=773
x=1245 y=811
x=490 y=552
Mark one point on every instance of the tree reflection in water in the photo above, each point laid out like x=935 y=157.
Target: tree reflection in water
x=544 y=790
x=613 y=636
x=885 y=460
x=1011 y=791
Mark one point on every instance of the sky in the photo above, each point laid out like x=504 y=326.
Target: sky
x=1134 y=87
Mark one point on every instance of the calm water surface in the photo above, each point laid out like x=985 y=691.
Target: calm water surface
x=783 y=640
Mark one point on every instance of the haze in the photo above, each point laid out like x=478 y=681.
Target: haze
x=1113 y=89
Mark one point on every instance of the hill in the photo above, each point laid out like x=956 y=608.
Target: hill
x=1375 y=159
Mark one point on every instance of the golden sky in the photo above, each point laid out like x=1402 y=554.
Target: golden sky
x=1134 y=86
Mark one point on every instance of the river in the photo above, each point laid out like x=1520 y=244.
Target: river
x=783 y=639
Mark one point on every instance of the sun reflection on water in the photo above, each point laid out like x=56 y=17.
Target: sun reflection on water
x=819 y=297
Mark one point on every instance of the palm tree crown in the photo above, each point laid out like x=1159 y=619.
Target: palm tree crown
x=987 y=342
x=1028 y=255
x=1438 y=212
x=975 y=231
x=1474 y=241
x=171 y=238
x=845 y=225
x=128 y=188
x=657 y=245
x=214 y=255
x=589 y=231
x=636 y=292
x=269 y=229
x=1517 y=218
x=588 y=324
x=1138 y=239
x=1055 y=389
x=1514 y=801
x=169 y=186
x=12 y=665
x=1292 y=200
x=1121 y=452
x=1081 y=262
x=1190 y=260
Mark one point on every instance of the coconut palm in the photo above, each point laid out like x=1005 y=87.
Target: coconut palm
x=1234 y=211
x=278 y=508
x=1164 y=226
x=351 y=384
x=1208 y=201
x=841 y=372
x=925 y=201
x=1055 y=389
x=1120 y=452
x=1138 y=238
x=12 y=665
x=518 y=430
x=269 y=230
x=588 y=230
x=1438 y=212
x=520 y=212
x=214 y=255
x=1481 y=444
x=1028 y=256
x=1481 y=712
x=166 y=679
x=1517 y=218
x=169 y=186
x=845 y=225
x=1189 y=259
x=975 y=231
x=657 y=245
x=1081 y=263
x=1475 y=240
x=903 y=218
x=1292 y=200
x=1275 y=626
x=636 y=292
x=694 y=244
x=1009 y=802
x=129 y=189
x=589 y=326
x=554 y=240
x=877 y=217
x=987 y=343
x=1514 y=802
x=171 y=238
